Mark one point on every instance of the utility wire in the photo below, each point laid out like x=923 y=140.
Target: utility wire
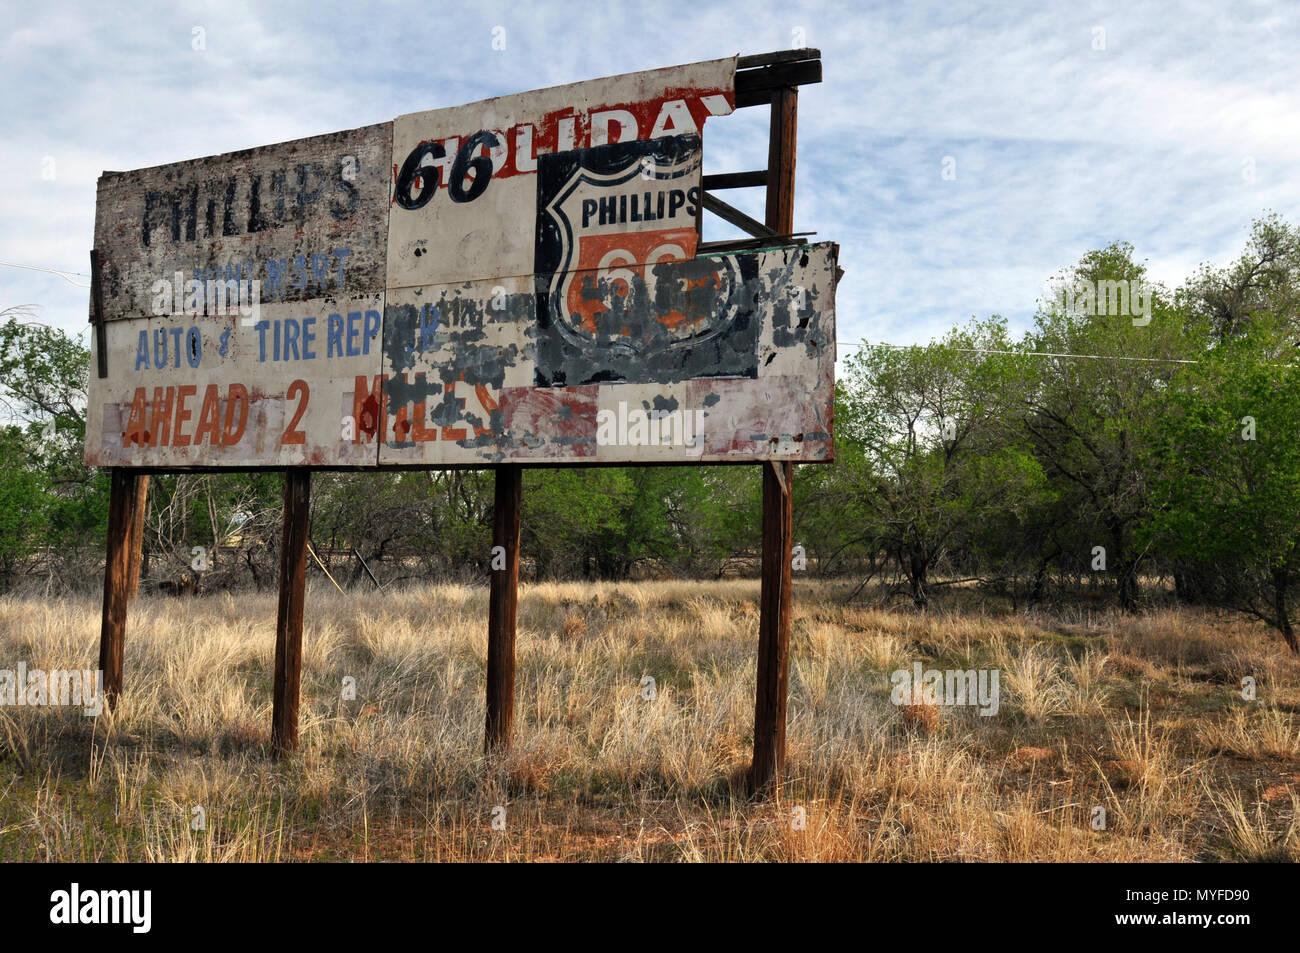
x=984 y=350
x=50 y=271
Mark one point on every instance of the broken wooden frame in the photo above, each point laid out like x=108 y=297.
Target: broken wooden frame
x=768 y=79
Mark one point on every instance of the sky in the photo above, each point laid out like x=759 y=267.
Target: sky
x=962 y=154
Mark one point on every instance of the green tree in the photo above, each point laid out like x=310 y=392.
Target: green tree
x=1228 y=479
x=1261 y=287
x=930 y=423
x=24 y=516
x=1089 y=400
x=43 y=375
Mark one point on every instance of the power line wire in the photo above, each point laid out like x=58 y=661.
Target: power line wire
x=984 y=350
x=50 y=271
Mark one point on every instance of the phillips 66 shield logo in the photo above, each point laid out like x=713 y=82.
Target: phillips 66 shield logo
x=616 y=244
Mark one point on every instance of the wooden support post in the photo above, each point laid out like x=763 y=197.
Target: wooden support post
x=503 y=602
x=773 y=629
x=137 y=536
x=112 y=631
x=780 y=161
x=288 y=621
x=778 y=511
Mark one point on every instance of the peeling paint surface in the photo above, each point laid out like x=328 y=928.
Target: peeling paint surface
x=517 y=279
x=463 y=364
x=305 y=219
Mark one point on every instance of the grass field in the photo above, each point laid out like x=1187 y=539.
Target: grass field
x=1140 y=715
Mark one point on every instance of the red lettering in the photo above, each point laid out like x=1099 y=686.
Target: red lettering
x=135 y=432
x=160 y=422
x=455 y=433
x=369 y=409
x=209 y=417
x=419 y=432
x=237 y=397
x=292 y=435
x=488 y=404
x=179 y=437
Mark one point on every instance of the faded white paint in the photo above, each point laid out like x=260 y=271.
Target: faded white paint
x=494 y=235
x=166 y=428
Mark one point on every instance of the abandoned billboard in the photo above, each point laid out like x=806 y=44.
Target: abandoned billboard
x=514 y=280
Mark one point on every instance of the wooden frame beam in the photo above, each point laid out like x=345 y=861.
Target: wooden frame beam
x=755 y=87
x=735 y=216
x=736 y=180
x=781 y=161
x=779 y=56
x=97 y=315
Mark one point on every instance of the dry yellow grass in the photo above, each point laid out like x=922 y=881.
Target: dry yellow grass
x=1140 y=716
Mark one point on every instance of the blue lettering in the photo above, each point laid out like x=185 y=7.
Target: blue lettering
x=428 y=326
x=308 y=335
x=261 y=327
x=340 y=254
x=354 y=319
x=291 y=339
x=334 y=336
x=275 y=278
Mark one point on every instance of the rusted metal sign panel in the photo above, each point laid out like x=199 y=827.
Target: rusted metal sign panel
x=516 y=279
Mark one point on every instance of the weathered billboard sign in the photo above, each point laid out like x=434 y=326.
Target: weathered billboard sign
x=518 y=279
